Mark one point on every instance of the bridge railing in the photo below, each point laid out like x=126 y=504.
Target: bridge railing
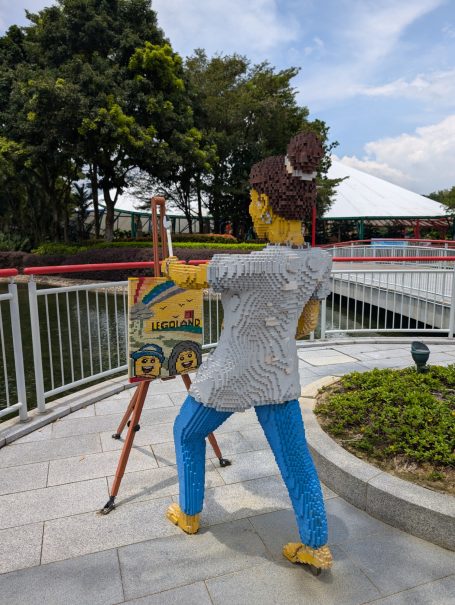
x=79 y=331
x=389 y=300
x=12 y=380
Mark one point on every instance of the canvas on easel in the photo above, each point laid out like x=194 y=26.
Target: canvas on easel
x=165 y=326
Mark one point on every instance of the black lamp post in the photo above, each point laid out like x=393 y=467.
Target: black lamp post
x=420 y=354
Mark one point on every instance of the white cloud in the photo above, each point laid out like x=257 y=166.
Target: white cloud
x=369 y=34
x=436 y=86
x=423 y=161
x=254 y=28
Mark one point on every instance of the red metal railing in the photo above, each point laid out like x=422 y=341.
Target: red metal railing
x=59 y=269
x=8 y=272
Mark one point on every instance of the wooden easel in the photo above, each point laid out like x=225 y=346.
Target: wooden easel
x=133 y=412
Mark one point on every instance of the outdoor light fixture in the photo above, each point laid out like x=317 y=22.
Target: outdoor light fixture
x=420 y=354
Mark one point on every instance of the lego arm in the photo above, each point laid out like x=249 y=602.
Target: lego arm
x=185 y=276
x=308 y=319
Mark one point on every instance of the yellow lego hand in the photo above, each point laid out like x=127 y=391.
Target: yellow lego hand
x=308 y=319
x=166 y=265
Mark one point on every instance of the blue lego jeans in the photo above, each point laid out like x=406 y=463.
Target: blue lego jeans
x=283 y=427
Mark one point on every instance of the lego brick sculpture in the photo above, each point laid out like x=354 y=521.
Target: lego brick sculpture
x=269 y=298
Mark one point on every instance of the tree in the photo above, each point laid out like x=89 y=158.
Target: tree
x=98 y=88
x=446 y=197
x=247 y=113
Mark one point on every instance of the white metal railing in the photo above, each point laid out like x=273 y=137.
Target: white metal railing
x=80 y=333
x=390 y=300
x=12 y=380
x=392 y=251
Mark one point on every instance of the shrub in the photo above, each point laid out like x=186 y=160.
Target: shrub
x=69 y=249
x=386 y=413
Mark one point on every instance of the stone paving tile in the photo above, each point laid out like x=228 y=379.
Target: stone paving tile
x=325 y=357
x=48 y=449
x=358 y=348
x=91 y=466
x=271 y=584
x=148 y=435
x=89 y=580
x=157 y=483
x=175 y=385
x=239 y=421
x=230 y=443
x=240 y=500
x=338 y=369
x=52 y=502
x=345 y=523
x=179 y=398
x=86 y=412
x=165 y=563
x=395 y=561
x=38 y=435
x=85 y=426
x=115 y=406
x=440 y=592
x=23 y=478
x=24 y=543
x=395 y=362
x=92 y=532
x=388 y=353
x=191 y=594
x=256 y=438
x=249 y=465
x=99 y=424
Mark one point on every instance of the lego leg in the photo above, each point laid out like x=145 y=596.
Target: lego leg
x=283 y=427
x=191 y=428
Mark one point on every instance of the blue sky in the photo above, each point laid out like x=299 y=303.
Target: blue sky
x=381 y=73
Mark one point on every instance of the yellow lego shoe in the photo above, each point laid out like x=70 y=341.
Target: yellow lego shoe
x=317 y=558
x=189 y=523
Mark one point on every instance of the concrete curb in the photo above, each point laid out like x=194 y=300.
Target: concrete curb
x=13 y=429
x=414 y=509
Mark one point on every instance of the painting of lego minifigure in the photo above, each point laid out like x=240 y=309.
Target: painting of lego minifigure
x=164 y=328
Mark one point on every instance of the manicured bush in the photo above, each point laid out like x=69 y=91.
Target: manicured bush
x=69 y=249
x=388 y=413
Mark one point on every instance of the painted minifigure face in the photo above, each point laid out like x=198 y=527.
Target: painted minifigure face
x=147 y=366
x=269 y=225
x=186 y=361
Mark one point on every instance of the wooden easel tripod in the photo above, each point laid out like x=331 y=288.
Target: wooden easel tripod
x=133 y=412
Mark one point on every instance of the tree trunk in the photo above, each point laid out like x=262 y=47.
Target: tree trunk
x=94 y=184
x=110 y=216
x=199 y=205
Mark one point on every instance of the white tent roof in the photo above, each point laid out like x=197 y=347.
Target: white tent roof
x=364 y=195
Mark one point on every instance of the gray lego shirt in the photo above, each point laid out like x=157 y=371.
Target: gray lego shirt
x=263 y=295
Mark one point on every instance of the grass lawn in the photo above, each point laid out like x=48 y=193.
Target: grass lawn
x=399 y=420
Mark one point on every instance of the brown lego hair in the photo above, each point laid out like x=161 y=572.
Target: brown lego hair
x=305 y=151
x=289 y=196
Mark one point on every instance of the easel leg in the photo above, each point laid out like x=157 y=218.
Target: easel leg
x=140 y=396
x=126 y=415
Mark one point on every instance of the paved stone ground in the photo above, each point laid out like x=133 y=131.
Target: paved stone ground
x=55 y=549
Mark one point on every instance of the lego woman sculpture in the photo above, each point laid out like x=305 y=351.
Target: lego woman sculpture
x=269 y=297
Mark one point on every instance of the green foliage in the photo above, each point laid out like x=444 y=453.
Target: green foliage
x=54 y=249
x=385 y=413
x=446 y=197
x=13 y=242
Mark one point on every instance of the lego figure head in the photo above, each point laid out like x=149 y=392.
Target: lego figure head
x=284 y=190
x=148 y=361
x=185 y=357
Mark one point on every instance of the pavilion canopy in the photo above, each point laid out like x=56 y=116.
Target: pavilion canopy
x=371 y=198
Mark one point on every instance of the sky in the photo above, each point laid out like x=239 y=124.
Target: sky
x=380 y=73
